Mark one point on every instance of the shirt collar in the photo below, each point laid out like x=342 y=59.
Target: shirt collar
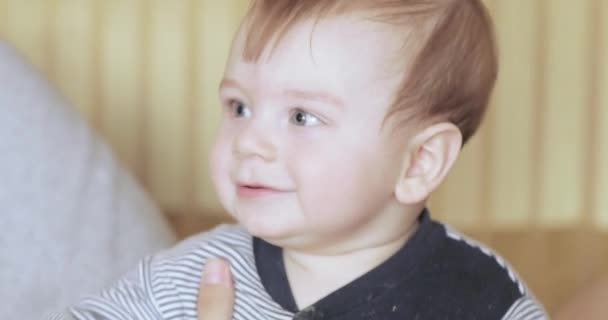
x=402 y=265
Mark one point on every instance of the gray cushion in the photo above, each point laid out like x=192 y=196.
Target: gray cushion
x=71 y=219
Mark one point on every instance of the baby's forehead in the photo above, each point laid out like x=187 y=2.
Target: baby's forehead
x=343 y=54
x=346 y=44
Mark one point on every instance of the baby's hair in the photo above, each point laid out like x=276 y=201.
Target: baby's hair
x=454 y=64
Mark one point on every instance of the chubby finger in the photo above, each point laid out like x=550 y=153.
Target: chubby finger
x=216 y=292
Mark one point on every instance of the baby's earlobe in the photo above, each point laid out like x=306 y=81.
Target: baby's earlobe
x=411 y=186
x=411 y=190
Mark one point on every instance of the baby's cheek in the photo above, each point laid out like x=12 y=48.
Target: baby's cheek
x=219 y=169
x=326 y=185
x=215 y=164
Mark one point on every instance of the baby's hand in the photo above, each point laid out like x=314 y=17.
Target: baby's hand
x=216 y=292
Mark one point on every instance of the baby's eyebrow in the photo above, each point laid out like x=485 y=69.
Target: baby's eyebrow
x=294 y=93
x=314 y=96
x=227 y=82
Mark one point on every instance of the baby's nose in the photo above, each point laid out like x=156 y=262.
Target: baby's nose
x=255 y=142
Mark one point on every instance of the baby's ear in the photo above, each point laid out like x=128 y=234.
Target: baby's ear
x=429 y=157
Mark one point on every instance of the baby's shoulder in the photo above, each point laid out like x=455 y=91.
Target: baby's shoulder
x=230 y=242
x=475 y=263
x=464 y=268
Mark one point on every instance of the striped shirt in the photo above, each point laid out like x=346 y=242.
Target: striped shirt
x=438 y=274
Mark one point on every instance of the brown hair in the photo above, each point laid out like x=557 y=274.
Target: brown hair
x=452 y=73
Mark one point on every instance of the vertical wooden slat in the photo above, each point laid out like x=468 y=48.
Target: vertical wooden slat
x=73 y=53
x=119 y=78
x=49 y=45
x=96 y=63
x=581 y=256
x=487 y=133
x=193 y=98
x=143 y=78
x=601 y=198
x=537 y=146
x=218 y=22
x=566 y=111
x=27 y=25
x=514 y=111
x=536 y=249
x=590 y=153
x=167 y=117
x=3 y=19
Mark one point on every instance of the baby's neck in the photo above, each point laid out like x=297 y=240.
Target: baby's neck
x=313 y=276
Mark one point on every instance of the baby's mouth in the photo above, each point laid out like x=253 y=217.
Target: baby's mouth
x=257 y=191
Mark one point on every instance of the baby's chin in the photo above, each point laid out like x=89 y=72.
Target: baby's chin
x=279 y=234
x=261 y=228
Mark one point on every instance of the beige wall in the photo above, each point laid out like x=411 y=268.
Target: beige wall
x=145 y=72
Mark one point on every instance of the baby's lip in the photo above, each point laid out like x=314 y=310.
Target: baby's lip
x=258 y=190
x=261 y=186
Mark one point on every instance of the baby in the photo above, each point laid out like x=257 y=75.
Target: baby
x=340 y=118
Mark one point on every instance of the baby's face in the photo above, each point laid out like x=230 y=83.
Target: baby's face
x=301 y=158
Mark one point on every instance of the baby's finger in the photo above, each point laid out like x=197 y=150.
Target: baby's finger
x=216 y=292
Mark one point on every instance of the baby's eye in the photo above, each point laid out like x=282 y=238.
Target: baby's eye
x=304 y=119
x=239 y=109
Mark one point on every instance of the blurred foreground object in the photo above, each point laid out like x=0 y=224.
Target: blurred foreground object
x=589 y=304
x=71 y=219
